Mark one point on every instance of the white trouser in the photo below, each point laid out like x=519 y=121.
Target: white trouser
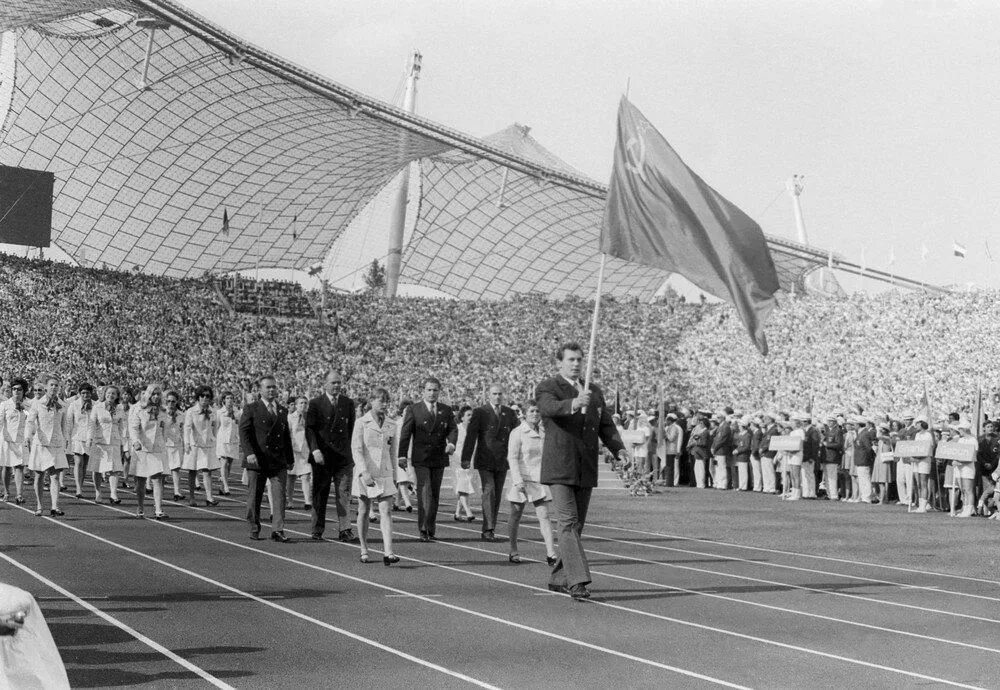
x=865 y=484
x=699 y=473
x=755 y=473
x=721 y=472
x=743 y=475
x=904 y=481
x=769 y=481
x=830 y=470
x=808 y=474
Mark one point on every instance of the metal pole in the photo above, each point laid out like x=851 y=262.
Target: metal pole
x=593 y=326
x=397 y=224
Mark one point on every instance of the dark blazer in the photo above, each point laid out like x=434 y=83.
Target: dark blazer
x=833 y=443
x=571 y=441
x=429 y=436
x=765 y=441
x=812 y=446
x=328 y=429
x=864 y=451
x=267 y=437
x=488 y=435
x=722 y=441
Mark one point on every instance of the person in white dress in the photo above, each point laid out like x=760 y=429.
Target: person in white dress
x=462 y=477
x=78 y=433
x=148 y=433
x=174 y=428
x=524 y=458
x=45 y=428
x=374 y=445
x=228 y=441
x=128 y=403
x=13 y=444
x=201 y=428
x=794 y=458
x=302 y=469
x=107 y=438
x=406 y=477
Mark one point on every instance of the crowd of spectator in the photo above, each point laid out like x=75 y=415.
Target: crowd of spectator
x=879 y=352
x=267 y=297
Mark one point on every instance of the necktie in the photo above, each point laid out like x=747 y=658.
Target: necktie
x=433 y=410
x=270 y=408
x=496 y=411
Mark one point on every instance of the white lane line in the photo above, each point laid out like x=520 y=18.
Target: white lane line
x=390 y=596
x=848 y=561
x=478 y=614
x=197 y=670
x=772 y=607
x=252 y=597
x=829 y=655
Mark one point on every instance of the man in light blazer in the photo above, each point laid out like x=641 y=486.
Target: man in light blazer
x=329 y=425
x=488 y=435
x=431 y=429
x=266 y=447
x=575 y=422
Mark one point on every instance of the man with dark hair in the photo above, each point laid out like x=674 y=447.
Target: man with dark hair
x=431 y=429
x=575 y=419
x=329 y=425
x=266 y=446
x=488 y=434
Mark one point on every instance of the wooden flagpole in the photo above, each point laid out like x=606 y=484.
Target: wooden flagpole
x=593 y=327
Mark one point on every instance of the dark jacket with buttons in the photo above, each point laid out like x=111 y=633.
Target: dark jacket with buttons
x=328 y=429
x=429 y=435
x=488 y=435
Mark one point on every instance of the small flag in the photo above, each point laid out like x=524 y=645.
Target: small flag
x=958 y=249
x=926 y=402
x=924 y=252
x=294 y=221
x=225 y=222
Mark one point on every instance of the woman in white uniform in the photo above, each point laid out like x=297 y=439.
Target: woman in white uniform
x=45 y=428
x=78 y=432
x=148 y=432
x=406 y=477
x=201 y=427
x=300 y=449
x=374 y=443
x=228 y=442
x=174 y=428
x=463 y=477
x=13 y=446
x=107 y=438
x=524 y=457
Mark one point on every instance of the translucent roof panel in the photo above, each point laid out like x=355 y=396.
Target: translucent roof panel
x=149 y=155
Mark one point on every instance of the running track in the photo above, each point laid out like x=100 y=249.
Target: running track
x=691 y=589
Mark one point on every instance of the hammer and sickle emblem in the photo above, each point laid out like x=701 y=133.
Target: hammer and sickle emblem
x=635 y=156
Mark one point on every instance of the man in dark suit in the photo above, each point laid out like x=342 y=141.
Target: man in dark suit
x=430 y=427
x=266 y=446
x=574 y=421
x=329 y=425
x=488 y=434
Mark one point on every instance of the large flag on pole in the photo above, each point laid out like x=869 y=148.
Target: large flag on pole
x=660 y=213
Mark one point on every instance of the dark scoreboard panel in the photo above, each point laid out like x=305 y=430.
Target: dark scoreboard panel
x=26 y=206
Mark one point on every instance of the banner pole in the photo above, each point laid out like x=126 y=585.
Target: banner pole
x=593 y=326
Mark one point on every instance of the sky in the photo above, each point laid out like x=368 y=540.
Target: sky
x=888 y=108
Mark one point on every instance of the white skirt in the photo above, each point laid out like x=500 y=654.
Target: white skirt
x=13 y=454
x=148 y=464
x=201 y=458
x=463 y=481
x=384 y=487
x=227 y=450
x=80 y=448
x=175 y=457
x=533 y=491
x=407 y=475
x=45 y=457
x=107 y=459
x=302 y=466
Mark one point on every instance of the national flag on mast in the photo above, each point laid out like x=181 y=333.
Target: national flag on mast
x=977 y=411
x=660 y=213
x=225 y=222
x=295 y=219
x=926 y=402
x=959 y=249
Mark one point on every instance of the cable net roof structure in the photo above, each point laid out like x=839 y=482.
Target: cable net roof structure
x=157 y=123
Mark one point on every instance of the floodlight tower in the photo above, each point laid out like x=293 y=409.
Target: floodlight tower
x=397 y=222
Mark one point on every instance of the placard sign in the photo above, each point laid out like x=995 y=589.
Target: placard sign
x=887 y=456
x=633 y=437
x=914 y=449
x=959 y=452
x=787 y=443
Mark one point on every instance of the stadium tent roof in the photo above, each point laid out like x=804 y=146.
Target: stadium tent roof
x=145 y=171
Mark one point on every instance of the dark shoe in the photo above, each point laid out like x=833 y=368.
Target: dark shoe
x=561 y=589
x=193 y=503
x=514 y=558
x=488 y=536
x=56 y=512
x=307 y=506
x=551 y=560
x=178 y=497
x=116 y=501
x=431 y=537
x=424 y=536
x=471 y=518
x=161 y=516
x=140 y=514
x=225 y=493
x=255 y=536
x=78 y=495
x=280 y=537
x=459 y=519
x=317 y=537
x=19 y=500
x=409 y=509
x=579 y=591
x=389 y=560
x=212 y=503
x=347 y=536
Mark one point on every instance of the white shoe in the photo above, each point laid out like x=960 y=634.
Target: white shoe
x=965 y=513
x=921 y=509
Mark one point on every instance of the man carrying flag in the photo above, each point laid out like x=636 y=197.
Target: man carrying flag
x=660 y=213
